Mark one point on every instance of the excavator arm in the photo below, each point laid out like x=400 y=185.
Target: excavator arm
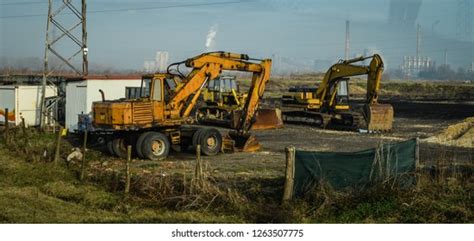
x=209 y=66
x=347 y=68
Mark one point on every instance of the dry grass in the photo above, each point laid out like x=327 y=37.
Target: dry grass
x=35 y=190
x=460 y=134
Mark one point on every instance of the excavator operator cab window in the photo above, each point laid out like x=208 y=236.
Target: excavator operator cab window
x=170 y=86
x=157 y=94
x=145 y=87
x=223 y=84
x=228 y=84
x=342 y=96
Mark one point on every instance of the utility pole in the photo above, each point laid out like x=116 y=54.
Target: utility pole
x=45 y=69
x=56 y=18
x=347 y=46
x=85 y=62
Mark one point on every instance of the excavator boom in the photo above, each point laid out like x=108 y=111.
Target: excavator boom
x=209 y=66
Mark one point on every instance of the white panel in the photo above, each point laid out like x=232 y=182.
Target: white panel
x=24 y=101
x=29 y=103
x=80 y=95
x=113 y=89
x=76 y=96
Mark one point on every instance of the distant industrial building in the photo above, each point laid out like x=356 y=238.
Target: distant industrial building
x=413 y=65
x=159 y=64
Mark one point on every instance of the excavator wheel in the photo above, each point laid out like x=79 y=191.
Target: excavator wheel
x=196 y=137
x=156 y=146
x=119 y=147
x=139 y=144
x=110 y=148
x=210 y=141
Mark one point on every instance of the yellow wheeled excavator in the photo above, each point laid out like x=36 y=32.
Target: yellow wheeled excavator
x=327 y=104
x=158 y=119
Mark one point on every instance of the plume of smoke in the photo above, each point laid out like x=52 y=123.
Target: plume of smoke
x=210 y=38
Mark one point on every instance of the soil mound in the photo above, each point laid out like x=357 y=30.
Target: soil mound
x=460 y=134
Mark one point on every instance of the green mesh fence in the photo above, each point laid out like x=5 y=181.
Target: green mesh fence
x=393 y=162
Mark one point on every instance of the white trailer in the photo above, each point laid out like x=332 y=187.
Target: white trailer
x=22 y=101
x=80 y=93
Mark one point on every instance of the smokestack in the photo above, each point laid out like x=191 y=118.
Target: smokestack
x=418 y=42
x=446 y=58
x=347 y=40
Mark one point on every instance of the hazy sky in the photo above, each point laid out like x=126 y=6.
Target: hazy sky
x=302 y=30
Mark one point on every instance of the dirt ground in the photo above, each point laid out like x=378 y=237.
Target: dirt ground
x=412 y=119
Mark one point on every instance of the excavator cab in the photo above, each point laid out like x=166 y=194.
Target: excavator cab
x=342 y=94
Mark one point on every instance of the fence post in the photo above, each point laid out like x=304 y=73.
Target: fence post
x=198 y=169
x=7 y=131
x=290 y=173
x=23 y=127
x=58 y=146
x=83 y=167
x=127 y=169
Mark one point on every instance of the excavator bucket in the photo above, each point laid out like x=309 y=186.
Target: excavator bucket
x=265 y=119
x=237 y=142
x=268 y=119
x=379 y=117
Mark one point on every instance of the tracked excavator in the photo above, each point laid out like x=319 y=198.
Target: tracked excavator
x=326 y=105
x=222 y=103
x=159 y=118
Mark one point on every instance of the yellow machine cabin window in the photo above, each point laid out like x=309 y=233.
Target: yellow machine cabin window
x=145 y=88
x=157 y=90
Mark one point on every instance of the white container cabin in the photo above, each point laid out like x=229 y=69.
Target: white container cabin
x=81 y=92
x=23 y=101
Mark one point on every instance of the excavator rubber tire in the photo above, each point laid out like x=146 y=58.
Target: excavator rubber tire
x=139 y=144
x=110 y=148
x=156 y=146
x=196 y=138
x=210 y=141
x=119 y=146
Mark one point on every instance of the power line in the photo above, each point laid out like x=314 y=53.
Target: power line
x=23 y=3
x=138 y=8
